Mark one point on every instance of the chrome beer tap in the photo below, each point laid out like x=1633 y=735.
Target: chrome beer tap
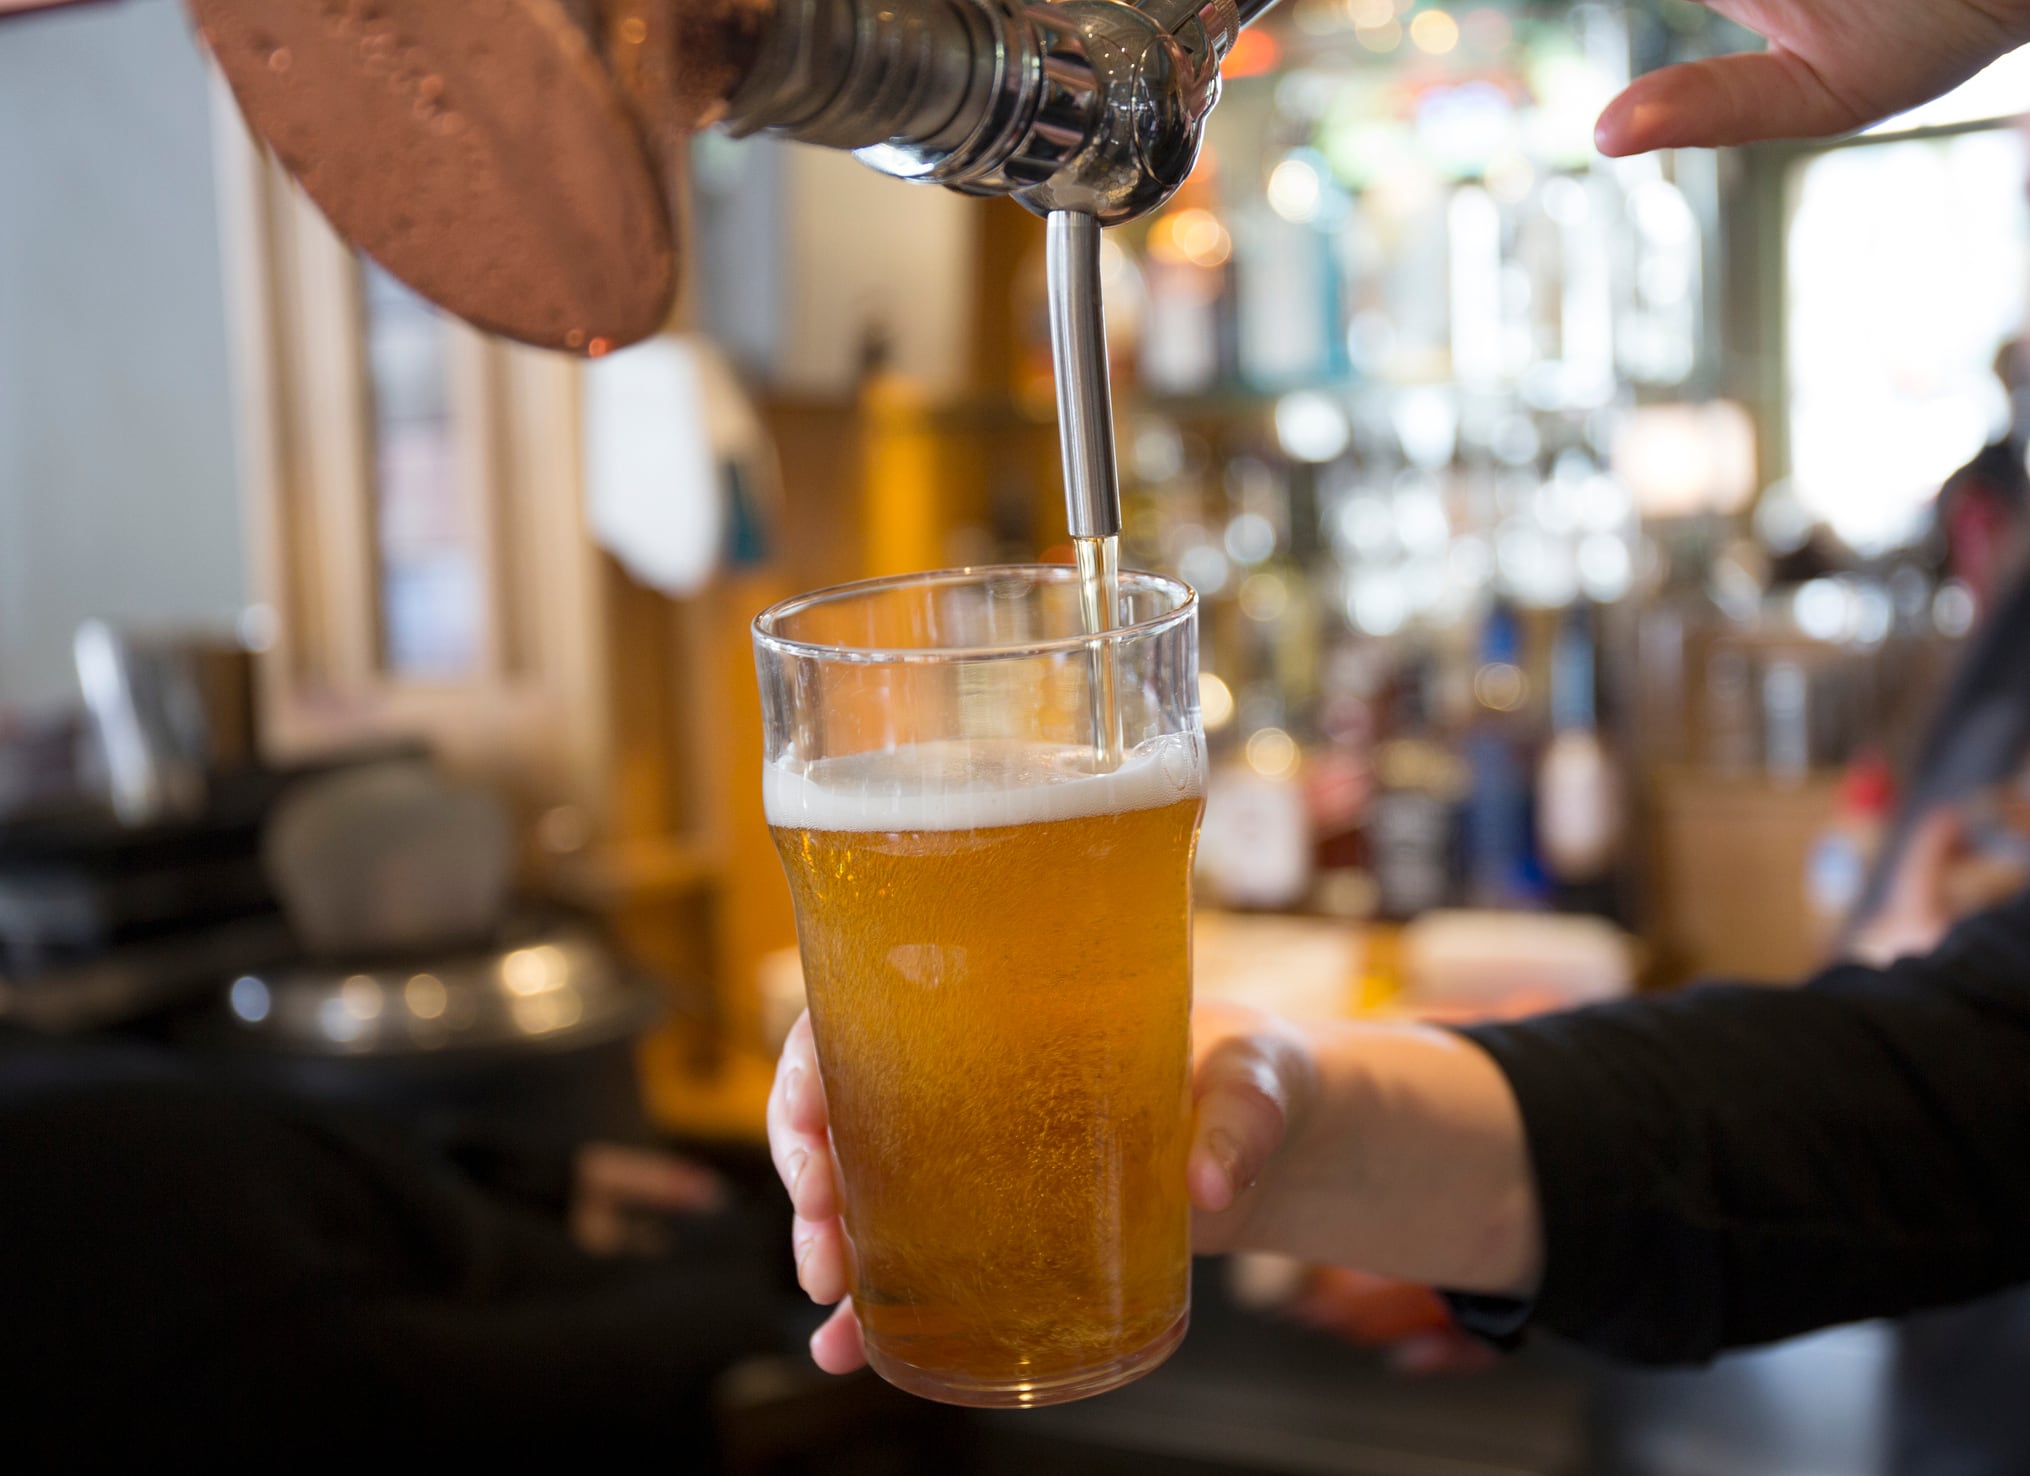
x=1092 y=106
x=509 y=159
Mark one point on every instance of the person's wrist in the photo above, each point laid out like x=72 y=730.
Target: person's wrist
x=1331 y=1095
x=1418 y=1133
x=1328 y=1085
x=1507 y=1260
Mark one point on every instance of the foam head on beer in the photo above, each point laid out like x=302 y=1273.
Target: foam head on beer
x=970 y=784
x=996 y=946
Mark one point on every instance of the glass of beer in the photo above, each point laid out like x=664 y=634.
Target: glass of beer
x=994 y=915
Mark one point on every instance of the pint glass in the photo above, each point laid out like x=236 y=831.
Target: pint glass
x=995 y=924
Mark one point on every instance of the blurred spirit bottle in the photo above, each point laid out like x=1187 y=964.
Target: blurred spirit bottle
x=1501 y=869
x=1286 y=295
x=1255 y=847
x=1188 y=347
x=1578 y=788
x=1339 y=791
x=1413 y=832
x=1274 y=541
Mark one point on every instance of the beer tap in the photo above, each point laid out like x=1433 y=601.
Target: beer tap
x=512 y=160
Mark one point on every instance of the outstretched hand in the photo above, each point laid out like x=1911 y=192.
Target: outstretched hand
x=1832 y=66
x=1397 y=1149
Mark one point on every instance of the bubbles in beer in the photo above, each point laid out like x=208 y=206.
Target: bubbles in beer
x=996 y=946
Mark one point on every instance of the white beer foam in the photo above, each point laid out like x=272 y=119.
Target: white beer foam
x=967 y=784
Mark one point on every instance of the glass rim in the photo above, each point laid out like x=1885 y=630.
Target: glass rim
x=765 y=637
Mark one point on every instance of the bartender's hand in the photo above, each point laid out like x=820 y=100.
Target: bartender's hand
x=799 y=1140
x=1398 y=1150
x=1832 y=66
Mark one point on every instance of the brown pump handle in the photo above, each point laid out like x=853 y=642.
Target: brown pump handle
x=498 y=156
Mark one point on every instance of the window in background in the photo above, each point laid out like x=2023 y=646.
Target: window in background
x=429 y=575
x=2002 y=90
x=1907 y=268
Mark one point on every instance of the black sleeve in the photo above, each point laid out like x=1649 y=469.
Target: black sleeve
x=1732 y=1165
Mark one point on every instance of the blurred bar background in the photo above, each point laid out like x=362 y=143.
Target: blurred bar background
x=1585 y=547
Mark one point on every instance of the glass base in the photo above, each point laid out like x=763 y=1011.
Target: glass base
x=1030 y=1393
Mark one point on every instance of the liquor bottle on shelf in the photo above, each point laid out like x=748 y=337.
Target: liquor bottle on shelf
x=1339 y=782
x=1255 y=846
x=1287 y=300
x=1273 y=539
x=1578 y=786
x=1501 y=862
x=1413 y=830
x=1189 y=342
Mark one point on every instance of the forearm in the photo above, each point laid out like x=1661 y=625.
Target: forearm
x=1663 y=1178
x=1405 y=1156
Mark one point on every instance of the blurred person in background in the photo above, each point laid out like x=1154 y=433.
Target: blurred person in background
x=1956 y=1406
x=1984 y=507
x=1961 y=841
x=1660 y=1179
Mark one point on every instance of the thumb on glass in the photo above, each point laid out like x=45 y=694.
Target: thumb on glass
x=1243 y=1094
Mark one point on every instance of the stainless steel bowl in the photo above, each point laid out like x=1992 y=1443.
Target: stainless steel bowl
x=548 y=988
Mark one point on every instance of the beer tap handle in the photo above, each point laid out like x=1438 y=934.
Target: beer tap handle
x=488 y=161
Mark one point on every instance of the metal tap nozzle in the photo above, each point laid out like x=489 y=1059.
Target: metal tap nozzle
x=1093 y=106
x=1078 y=347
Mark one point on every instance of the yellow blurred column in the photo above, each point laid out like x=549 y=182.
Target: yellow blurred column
x=902 y=476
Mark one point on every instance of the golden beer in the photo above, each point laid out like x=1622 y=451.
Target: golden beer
x=996 y=943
